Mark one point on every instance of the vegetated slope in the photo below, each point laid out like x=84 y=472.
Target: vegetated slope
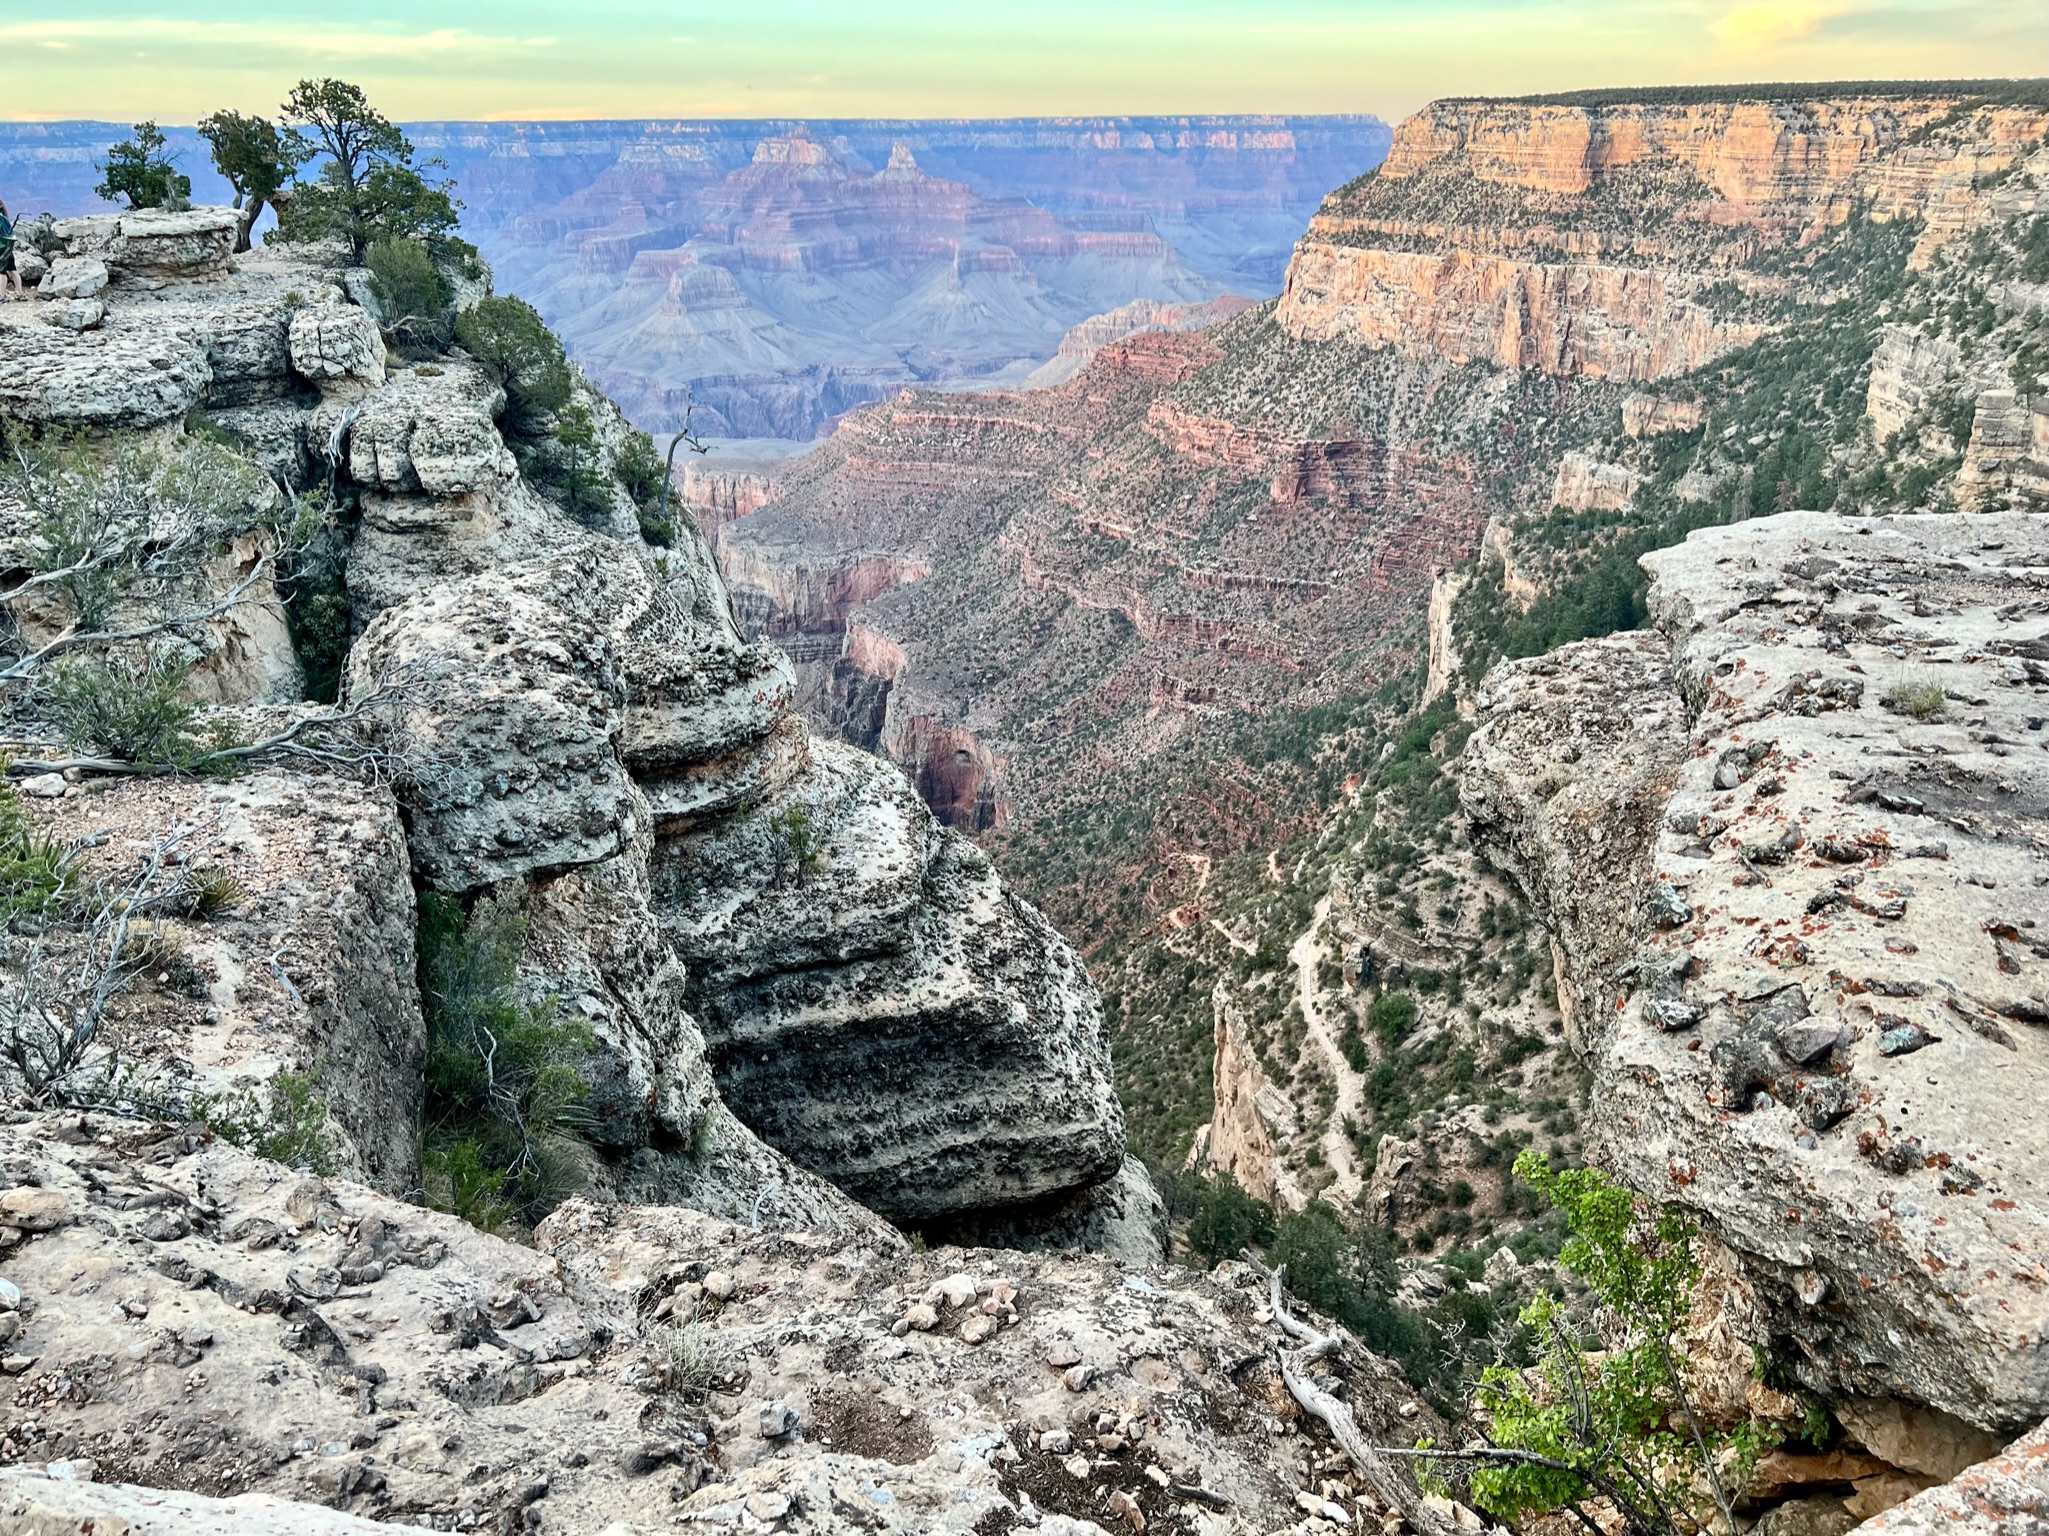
x=1185 y=639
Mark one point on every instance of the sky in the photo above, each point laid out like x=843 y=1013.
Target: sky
x=427 y=59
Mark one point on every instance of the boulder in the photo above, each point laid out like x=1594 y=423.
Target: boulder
x=74 y=277
x=76 y=314
x=333 y=343
x=2005 y=1495
x=431 y=429
x=156 y=244
x=962 y=1068
x=1835 y=837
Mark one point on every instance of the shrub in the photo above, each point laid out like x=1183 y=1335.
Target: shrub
x=1608 y=1413
x=579 y=474
x=512 y=342
x=505 y=1080
x=136 y=713
x=287 y=1124
x=34 y=871
x=415 y=293
x=1392 y=1016
x=1918 y=699
x=1351 y=1276
x=1225 y=1220
x=641 y=471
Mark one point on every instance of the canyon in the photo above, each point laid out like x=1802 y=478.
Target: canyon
x=1566 y=674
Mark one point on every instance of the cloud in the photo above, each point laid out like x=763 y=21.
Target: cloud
x=1758 y=26
x=137 y=33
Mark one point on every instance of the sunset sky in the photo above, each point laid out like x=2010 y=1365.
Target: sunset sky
x=982 y=58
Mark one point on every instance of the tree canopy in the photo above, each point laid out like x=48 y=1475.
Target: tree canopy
x=367 y=187
x=138 y=169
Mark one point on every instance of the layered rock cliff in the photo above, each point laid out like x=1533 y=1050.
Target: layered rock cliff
x=567 y=720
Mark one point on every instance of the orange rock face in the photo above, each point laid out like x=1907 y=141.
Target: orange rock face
x=1577 y=240
x=1611 y=322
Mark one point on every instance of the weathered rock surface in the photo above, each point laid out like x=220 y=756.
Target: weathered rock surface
x=870 y=948
x=310 y=967
x=1813 y=989
x=193 y=1319
x=564 y=706
x=2005 y=1495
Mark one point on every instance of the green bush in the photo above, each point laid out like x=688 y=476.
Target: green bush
x=578 y=472
x=1392 y=1016
x=415 y=293
x=287 y=1124
x=1351 y=1275
x=640 y=470
x=1917 y=699
x=505 y=1075
x=515 y=346
x=136 y=713
x=1224 y=1220
x=1609 y=1412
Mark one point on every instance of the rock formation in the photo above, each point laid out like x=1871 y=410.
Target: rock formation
x=1784 y=845
x=263 y=1351
x=574 y=720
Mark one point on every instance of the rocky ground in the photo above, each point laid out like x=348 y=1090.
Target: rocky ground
x=183 y=1317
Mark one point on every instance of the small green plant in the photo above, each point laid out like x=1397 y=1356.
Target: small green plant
x=205 y=894
x=35 y=871
x=640 y=470
x=1916 y=698
x=686 y=1356
x=1608 y=1413
x=138 y=170
x=287 y=1123
x=797 y=844
x=415 y=293
x=515 y=346
x=505 y=1079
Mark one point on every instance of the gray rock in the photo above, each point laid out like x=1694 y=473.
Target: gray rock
x=101 y=378
x=337 y=342
x=76 y=315
x=74 y=277
x=509 y=726
x=44 y=786
x=1914 y=1187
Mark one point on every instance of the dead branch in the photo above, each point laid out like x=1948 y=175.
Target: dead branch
x=1394 y=1492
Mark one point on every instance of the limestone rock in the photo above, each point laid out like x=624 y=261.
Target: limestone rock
x=453 y=1351
x=334 y=342
x=77 y=314
x=110 y=376
x=509 y=720
x=155 y=244
x=2007 y=1495
x=976 y=1014
x=310 y=968
x=74 y=277
x=432 y=428
x=1830 y=858
x=32 y=1500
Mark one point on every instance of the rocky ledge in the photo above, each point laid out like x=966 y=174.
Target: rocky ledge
x=244 y=1343
x=1790 y=846
x=804 y=993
